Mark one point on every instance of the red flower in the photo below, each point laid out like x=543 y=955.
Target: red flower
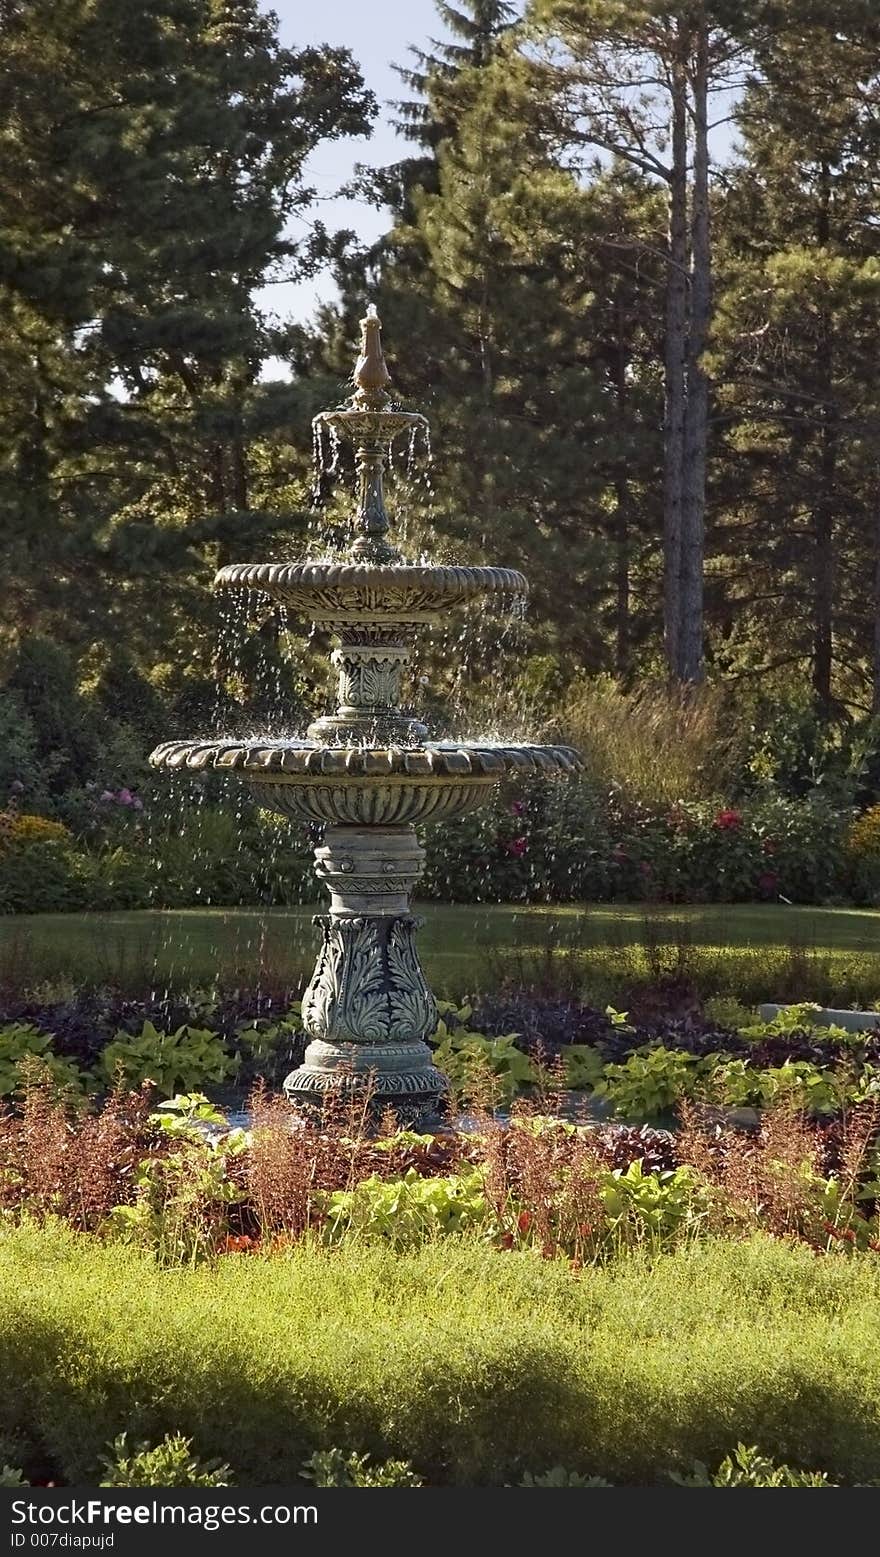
x=239 y=1243
x=517 y=847
x=728 y=821
x=517 y=808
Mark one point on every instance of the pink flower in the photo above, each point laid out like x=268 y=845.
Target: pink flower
x=125 y=797
x=728 y=821
x=517 y=847
x=107 y=795
x=517 y=808
x=137 y=803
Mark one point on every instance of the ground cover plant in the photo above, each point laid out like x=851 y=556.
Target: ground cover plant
x=470 y=1364
x=635 y=1067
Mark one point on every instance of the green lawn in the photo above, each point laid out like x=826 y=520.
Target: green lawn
x=466 y=947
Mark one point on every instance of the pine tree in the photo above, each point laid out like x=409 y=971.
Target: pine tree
x=514 y=295
x=634 y=82
x=154 y=154
x=796 y=347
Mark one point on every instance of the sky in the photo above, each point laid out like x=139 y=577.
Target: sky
x=377 y=32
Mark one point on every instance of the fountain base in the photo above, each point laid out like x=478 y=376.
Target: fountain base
x=380 y=1078
x=368 y=1009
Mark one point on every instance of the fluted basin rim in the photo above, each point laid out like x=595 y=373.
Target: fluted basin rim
x=289 y=761
x=459 y=583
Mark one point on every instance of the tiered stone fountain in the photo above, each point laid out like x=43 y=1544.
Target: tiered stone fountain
x=369 y=772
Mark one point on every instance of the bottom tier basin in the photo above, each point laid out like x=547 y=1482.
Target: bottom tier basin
x=362 y=786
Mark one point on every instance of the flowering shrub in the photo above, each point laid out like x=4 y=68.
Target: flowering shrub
x=26 y=829
x=122 y=797
x=565 y=842
x=570 y=842
x=700 y=852
x=864 y=835
x=863 y=856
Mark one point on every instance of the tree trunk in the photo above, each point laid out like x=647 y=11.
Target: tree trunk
x=675 y=358
x=823 y=585
x=693 y=518
x=875 y=666
x=622 y=507
x=823 y=507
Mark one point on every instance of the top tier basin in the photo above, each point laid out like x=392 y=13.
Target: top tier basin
x=361 y=594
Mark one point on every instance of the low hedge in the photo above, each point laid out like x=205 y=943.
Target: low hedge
x=475 y=1365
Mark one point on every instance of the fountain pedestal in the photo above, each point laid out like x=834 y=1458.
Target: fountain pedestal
x=368 y=1008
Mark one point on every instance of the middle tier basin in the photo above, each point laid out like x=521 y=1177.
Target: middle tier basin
x=356 y=786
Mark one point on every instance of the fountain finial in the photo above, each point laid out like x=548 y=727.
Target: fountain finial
x=370 y=420
x=371 y=374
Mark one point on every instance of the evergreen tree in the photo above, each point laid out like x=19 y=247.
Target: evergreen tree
x=796 y=349
x=154 y=155
x=514 y=295
x=634 y=82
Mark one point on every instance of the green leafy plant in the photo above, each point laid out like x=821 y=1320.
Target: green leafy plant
x=618 y=1020
x=181 y=1061
x=748 y=1467
x=406 y=1211
x=334 y=1468
x=187 y=1114
x=182 y=1202
x=651 y=1207
x=260 y=1036
x=816 y=1090
x=9 y=1477
x=650 y=1082
x=170 y=1463
x=803 y=1017
x=558 y=1476
x=20 y=1043
x=584 y=1066
x=477 y=1065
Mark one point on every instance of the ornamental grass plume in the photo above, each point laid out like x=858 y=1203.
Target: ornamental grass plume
x=292 y=1160
x=282 y=1167
x=656 y=746
x=57 y=1159
x=765 y=1180
x=542 y=1184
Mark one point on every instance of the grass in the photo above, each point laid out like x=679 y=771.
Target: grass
x=756 y=951
x=476 y=1365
